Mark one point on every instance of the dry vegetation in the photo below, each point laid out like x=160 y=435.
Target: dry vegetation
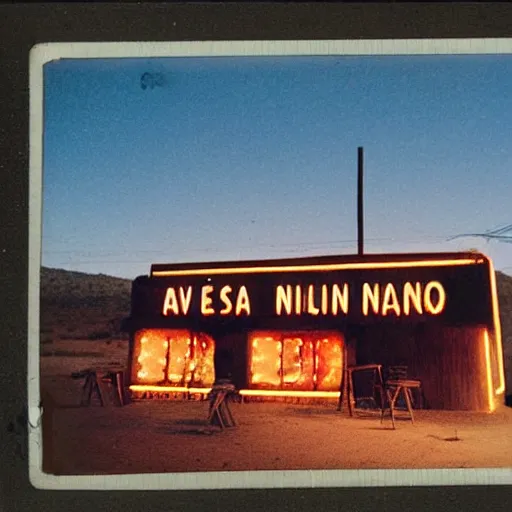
x=75 y=305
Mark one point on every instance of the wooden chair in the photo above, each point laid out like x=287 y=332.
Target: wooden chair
x=401 y=372
x=397 y=372
x=397 y=386
x=373 y=384
x=393 y=390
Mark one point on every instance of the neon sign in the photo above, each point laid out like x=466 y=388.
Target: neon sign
x=451 y=291
x=377 y=299
x=177 y=302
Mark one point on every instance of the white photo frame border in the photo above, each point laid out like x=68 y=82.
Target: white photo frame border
x=44 y=53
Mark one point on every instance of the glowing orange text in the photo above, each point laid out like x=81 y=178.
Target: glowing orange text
x=177 y=302
x=386 y=300
x=298 y=299
x=382 y=299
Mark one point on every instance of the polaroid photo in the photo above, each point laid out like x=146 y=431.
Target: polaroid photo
x=269 y=264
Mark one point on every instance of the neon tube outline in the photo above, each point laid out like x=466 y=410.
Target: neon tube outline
x=307 y=268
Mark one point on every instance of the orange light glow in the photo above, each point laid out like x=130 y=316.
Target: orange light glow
x=206 y=300
x=266 y=361
x=312 y=309
x=488 y=371
x=179 y=352
x=224 y=297
x=292 y=361
x=324 y=299
x=390 y=300
x=177 y=302
x=339 y=299
x=149 y=357
x=243 y=392
x=434 y=310
x=497 y=328
x=370 y=295
x=284 y=299
x=172 y=357
x=242 y=302
x=319 y=268
x=295 y=360
x=298 y=394
x=171 y=302
x=169 y=389
x=412 y=295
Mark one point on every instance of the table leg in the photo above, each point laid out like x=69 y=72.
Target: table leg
x=408 y=402
x=391 y=397
x=98 y=390
x=90 y=389
x=342 y=390
x=350 y=393
x=120 y=387
x=394 y=398
x=85 y=392
x=228 y=413
x=384 y=408
x=215 y=409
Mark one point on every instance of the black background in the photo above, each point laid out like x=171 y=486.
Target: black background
x=22 y=26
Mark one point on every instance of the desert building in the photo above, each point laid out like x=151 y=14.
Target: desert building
x=290 y=327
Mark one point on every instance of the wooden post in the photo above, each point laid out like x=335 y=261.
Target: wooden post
x=344 y=382
x=360 y=217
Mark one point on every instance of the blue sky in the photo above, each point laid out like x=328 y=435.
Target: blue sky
x=242 y=158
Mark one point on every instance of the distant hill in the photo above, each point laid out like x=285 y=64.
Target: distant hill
x=58 y=284
x=75 y=305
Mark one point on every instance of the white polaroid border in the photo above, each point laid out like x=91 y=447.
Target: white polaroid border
x=47 y=52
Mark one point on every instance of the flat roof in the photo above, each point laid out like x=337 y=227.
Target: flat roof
x=160 y=269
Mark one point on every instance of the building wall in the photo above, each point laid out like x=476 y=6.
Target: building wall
x=450 y=362
x=236 y=345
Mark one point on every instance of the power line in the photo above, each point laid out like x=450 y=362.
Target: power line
x=332 y=244
x=502 y=234
x=252 y=246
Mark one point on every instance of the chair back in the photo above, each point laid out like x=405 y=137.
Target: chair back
x=367 y=383
x=396 y=373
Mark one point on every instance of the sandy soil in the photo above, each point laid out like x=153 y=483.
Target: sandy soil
x=163 y=436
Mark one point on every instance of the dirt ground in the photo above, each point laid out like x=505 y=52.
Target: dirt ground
x=173 y=436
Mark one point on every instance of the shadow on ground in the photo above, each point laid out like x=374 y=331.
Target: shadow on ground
x=450 y=439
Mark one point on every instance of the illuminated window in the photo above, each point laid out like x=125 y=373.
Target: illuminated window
x=172 y=357
x=266 y=361
x=300 y=361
